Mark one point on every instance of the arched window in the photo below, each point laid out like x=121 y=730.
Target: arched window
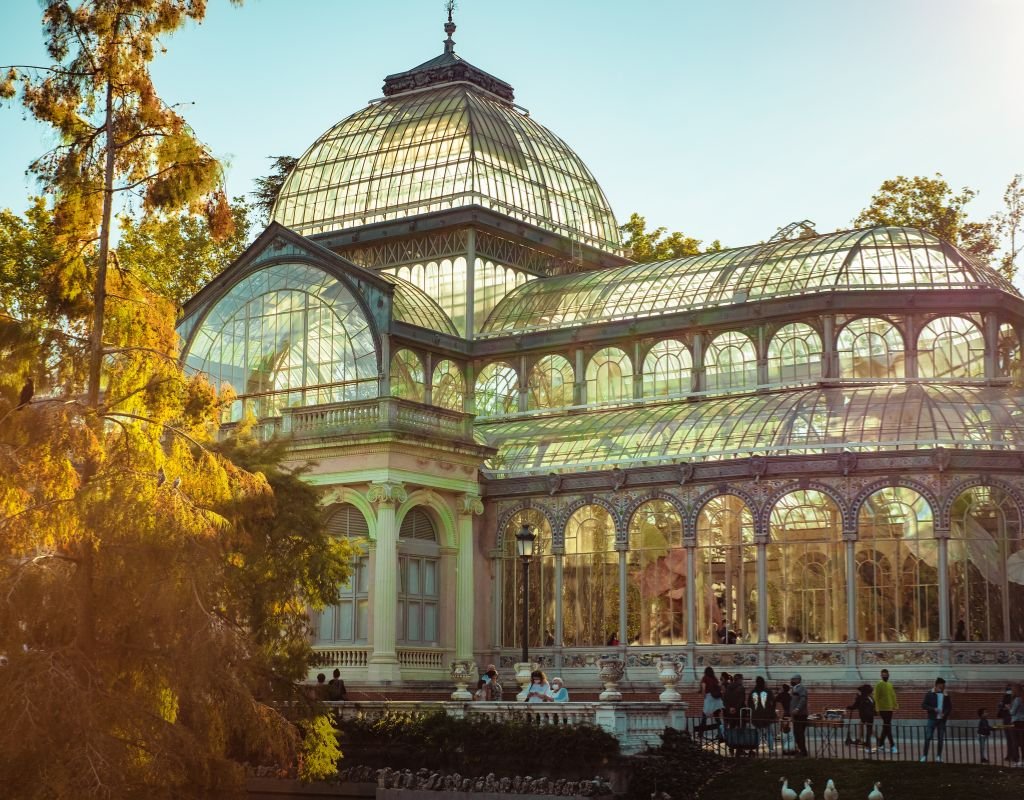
x=897 y=569
x=550 y=383
x=419 y=572
x=347 y=622
x=730 y=363
x=590 y=579
x=986 y=566
x=656 y=576
x=794 y=355
x=951 y=347
x=726 y=568
x=288 y=335
x=1008 y=363
x=542 y=583
x=497 y=390
x=806 y=570
x=870 y=348
x=407 y=376
x=609 y=376
x=667 y=370
x=449 y=389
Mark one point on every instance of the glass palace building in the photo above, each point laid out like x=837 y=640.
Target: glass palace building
x=814 y=442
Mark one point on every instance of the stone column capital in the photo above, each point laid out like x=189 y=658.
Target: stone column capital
x=469 y=505
x=387 y=493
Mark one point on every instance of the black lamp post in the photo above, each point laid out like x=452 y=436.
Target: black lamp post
x=525 y=541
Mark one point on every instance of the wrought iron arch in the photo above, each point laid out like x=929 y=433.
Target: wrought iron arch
x=632 y=508
x=942 y=517
x=503 y=520
x=927 y=494
x=558 y=534
x=764 y=523
x=690 y=521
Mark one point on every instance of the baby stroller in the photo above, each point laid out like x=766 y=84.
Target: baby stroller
x=742 y=740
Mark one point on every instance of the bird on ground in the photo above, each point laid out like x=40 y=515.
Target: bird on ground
x=787 y=793
x=27 y=391
x=875 y=794
x=808 y=792
x=830 y=793
x=161 y=477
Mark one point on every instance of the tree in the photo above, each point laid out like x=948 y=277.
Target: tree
x=1009 y=225
x=269 y=187
x=930 y=204
x=643 y=245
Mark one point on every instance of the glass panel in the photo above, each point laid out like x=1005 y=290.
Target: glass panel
x=870 y=349
x=794 y=355
x=1008 y=362
x=412 y=585
x=590 y=579
x=667 y=370
x=415 y=631
x=497 y=390
x=542 y=583
x=430 y=578
x=430 y=622
x=986 y=585
x=609 y=377
x=897 y=569
x=806 y=564
x=656 y=576
x=730 y=363
x=407 y=376
x=550 y=384
x=726 y=570
x=951 y=347
x=449 y=389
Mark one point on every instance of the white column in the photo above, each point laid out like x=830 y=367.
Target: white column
x=469 y=506
x=383 y=662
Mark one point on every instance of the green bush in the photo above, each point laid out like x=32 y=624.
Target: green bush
x=680 y=767
x=475 y=746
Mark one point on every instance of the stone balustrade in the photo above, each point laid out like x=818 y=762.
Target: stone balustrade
x=379 y=413
x=635 y=725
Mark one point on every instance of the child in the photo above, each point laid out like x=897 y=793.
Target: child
x=864 y=704
x=984 y=731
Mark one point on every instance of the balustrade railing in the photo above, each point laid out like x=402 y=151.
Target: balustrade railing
x=421 y=659
x=341 y=657
x=387 y=413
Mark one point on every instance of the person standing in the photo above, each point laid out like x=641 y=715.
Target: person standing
x=984 y=731
x=762 y=712
x=336 y=687
x=782 y=699
x=539 y=690
x=711 y=690
x=939 y=706
x=885 y=705
x=1003 y=712
x=798 y=712
x=735 y=697
x=864 y=705
x=1017 y=720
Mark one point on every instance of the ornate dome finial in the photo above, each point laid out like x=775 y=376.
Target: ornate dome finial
x=449 y=27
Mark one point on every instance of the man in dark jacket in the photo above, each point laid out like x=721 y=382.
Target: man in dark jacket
x=939 y=706
x=735 y=698
x=798 y=711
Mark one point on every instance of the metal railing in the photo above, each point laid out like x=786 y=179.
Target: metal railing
x=843 y=738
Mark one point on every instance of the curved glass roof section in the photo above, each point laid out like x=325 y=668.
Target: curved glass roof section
x=796 y=422
x=416 y=307
x=444 y=147
x=873 y=258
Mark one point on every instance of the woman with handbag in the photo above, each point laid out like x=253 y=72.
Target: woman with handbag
x=711 y=690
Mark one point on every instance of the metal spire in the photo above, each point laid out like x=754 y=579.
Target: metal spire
x=449 y=28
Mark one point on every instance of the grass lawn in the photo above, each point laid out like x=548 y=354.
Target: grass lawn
x=759 y=780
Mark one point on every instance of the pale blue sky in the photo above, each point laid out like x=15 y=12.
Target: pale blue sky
x=726 y=119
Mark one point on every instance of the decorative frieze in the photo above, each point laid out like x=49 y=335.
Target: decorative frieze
x=902 y=656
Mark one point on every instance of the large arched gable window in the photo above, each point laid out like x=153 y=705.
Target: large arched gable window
x=951 y=347
x=542 y=583
x=449 y=386
x=806 y=570
x=730 y=363
x=667 y=370
x=794 y=355
x=287 y=335
x=870 y=348
x=407 y=376
x=347 y=622
x=656 y=576
x=986 y=565
x=726 y=567
x=550 y=384
x=497 y=390
x=897 y=568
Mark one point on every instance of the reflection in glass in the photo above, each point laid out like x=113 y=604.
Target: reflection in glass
x=550 y=384
x=870 y=348
x=951 y=347
x=1008 y=363
x=449 y=386
x=497 y=390
x=726 y=590
x=986 y=566
x=542 y=583
x=897 y=569
x=407 y=376
x=806 y=570
x=590 y=579
x=656 y=576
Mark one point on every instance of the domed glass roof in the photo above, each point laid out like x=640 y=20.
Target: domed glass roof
x=454 y=139
x=874 y=258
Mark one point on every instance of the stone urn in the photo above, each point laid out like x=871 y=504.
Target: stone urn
x=463 y=673
x=523 y=670
x=610 y=670
x=669 y=672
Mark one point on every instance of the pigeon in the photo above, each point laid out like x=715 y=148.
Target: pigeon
x=787 y=793
x=808 y=792
x=177 y=483
x=27 y=391
x=830 y=793
x=161 y=477
x=875 y=794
